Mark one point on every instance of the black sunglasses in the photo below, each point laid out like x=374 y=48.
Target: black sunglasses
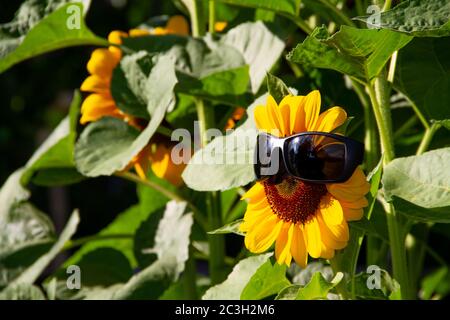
x=316 y=157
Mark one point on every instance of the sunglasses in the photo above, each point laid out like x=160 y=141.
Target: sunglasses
x=316 y=157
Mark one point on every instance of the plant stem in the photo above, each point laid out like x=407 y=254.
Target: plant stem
x=216 y=242
x=212 y=16
x=197 y=19
x=80 y=241
x=190 y=277
x=426 y=140
x=342 y=16
x=168 y=193
x=379 y=96
x=387 y=5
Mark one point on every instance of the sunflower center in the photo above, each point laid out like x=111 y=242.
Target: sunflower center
x=293 y=200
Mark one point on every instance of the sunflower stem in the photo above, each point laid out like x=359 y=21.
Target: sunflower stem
x=212 y=16
x=379 y=93
x=190 y=276
x=216 y=242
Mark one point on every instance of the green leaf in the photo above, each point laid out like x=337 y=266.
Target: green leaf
x=445 y=123
x=267 y=281
x=102 y=267
x=126 y=223
x=51 y=33
x=145 y=238
x=318 y=287
x=290 y=7
x=430 y=91
x=11 y=193
x=277 y=88
x=25 y=234
x=388 y=286
x=232 y=227
x=172 y=250
x=436 y=283
x=419 y=18
x=422 y=180
x=233 y=286
x=205 y=68
x=55 y=155
x=360 y=53
x=418 y=213
x=22 y=291
x=259 y=46
x=128 y=84
x=31 y=274
x=227 y=161
x=108 y=145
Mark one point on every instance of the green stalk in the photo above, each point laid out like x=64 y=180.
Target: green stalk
x=190 y=277
x=216 y=241
x=379 y=96
x=197 y=19
x=426 y=140
x=212 y=16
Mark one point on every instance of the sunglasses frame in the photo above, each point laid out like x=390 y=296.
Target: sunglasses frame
x=354 y=154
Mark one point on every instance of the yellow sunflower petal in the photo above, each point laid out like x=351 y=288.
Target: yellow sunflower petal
x=312 y=110
x=256 y=191
x=164 y=167
x=351 y=190
x=327 y=252
x=330 y=119
x=263 y=121
x=312 y=238
x=260 y=238
x=95 y=84
x=332 y=211
x=134 y=33
x=296 y=113
x=339 y=232
x=285 y=114
x=178 y=25
x=353 y=214
x=298 y=247
x=102 y=63
x=253 y=217
x=328 y=237
x=283 y=244
x=96 y=106
x=115 y=37
x=356 y=204
x=274 y=114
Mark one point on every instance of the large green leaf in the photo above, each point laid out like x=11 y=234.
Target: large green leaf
x=430 y=91
x=436 y=215
x=12 y=192
x=55 y=155
x=205 y=68
x=227 y=161
x=108 y=145
x=359 y=53
x=129 y=82
x=281 y=6
x=22 y=291
x=172 y=249
x=233 y=286
x=144 y=238
x=102 y=267
x=267 y=281
x=423 y=180
x=317 y=288
x=25 y=235
x=260 y=47
x=31 y=274
x=420 y=18
x=51 y=33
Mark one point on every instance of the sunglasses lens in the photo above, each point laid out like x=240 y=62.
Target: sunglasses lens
x=316 y=157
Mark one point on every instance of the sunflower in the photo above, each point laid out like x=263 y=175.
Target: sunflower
x=100 y=103
x=301 y=218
